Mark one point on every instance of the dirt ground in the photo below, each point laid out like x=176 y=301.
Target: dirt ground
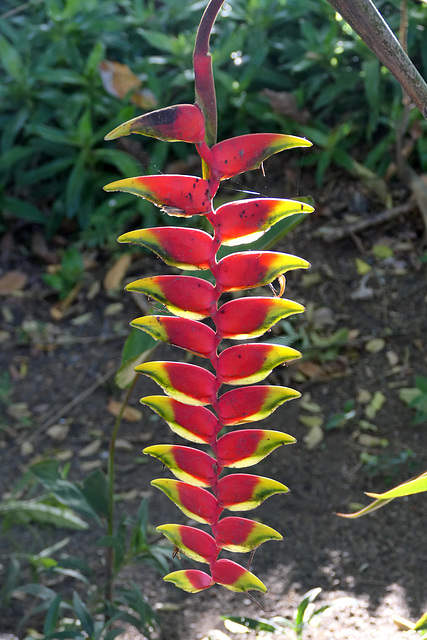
x=363 y=337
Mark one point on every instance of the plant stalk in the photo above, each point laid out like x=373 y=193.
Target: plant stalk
x=202 y=60
x=365 y=19
x=109 y=557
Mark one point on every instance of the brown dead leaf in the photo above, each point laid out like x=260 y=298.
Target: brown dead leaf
x=12 y=281
x=314 y=437
x=90 y=465
x=40 y=249
x=27 y=448
x=419 y=189
x=117 y=272
x=132 y=494
x=311 y=370
x=286 y=104
x=58 y=432
x=60 y=308
x=124 y=445
x=130 y=414
x=119 y=81
x=90 y=449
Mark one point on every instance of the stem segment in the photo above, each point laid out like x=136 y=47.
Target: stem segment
x=109 y=559
x=204 y=83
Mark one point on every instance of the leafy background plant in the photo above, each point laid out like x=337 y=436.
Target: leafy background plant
x=54 y=110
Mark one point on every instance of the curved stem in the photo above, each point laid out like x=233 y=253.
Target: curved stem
x=109 y=560
x=204 y=83
x=368 y=23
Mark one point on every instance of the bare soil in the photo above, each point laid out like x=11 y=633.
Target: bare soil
x=380 y=561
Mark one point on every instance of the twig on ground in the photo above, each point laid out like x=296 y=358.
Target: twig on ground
x=333 y=233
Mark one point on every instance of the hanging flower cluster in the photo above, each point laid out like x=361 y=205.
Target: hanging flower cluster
x=195 y=406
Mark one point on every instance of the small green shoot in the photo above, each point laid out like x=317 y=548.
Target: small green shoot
x=338 y=420
x=306 y=614
x=416 y=398
x=387 y=466
x=68 y=275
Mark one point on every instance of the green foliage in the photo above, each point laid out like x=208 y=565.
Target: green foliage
x=416 y=398
x=306 y=614
x=45 y=502
x=388 y=466
x=54 y=111
x=69 y=273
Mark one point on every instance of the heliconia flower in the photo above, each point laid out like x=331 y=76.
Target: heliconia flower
x=249 y=269
x=177 y=195
x=185 y=296
x=247 y=447
x=195 y=405
x=186 y=463
x=234 y=577
x=193 y=423
x=252 y=317
x=195 y=502
x=248 y=404
x=242 y=491
x=187 y=249
x=247 y=220
x=184 y=382
x=241 y=534
x=194 y=543
x=250 y=363
x=191 y=580
x=187 y=334
x=182 y=122
x=244 y=153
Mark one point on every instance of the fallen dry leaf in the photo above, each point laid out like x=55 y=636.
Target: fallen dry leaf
x=11 y=282
x=60 y=308
x=90 y=449
x=90 y=465
x=311 y=370
x=27 y=449
x=129 y=495
x=117 y=272
x=375 y=345
x=58 y=432
x=313 y=437
x=40 y=249
x=286 y=104
x=370 y=441
x=124 y=445
x=130 y=414
x=119 y=81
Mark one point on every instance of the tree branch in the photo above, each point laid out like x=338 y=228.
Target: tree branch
x=364 y=18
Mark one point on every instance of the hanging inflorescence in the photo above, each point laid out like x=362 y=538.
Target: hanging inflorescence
x=201 y=489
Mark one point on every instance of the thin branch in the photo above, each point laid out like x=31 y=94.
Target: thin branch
x=364 y=18
x=333 y=233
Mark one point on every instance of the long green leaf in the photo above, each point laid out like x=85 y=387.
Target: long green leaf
x=31 y=510
x=23 y=209
x=10 y=59
x=52 y=615
x=139 y=346
x=83 y=615
x=408 y=488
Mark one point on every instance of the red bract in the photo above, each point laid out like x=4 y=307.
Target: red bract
x=201 y=320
